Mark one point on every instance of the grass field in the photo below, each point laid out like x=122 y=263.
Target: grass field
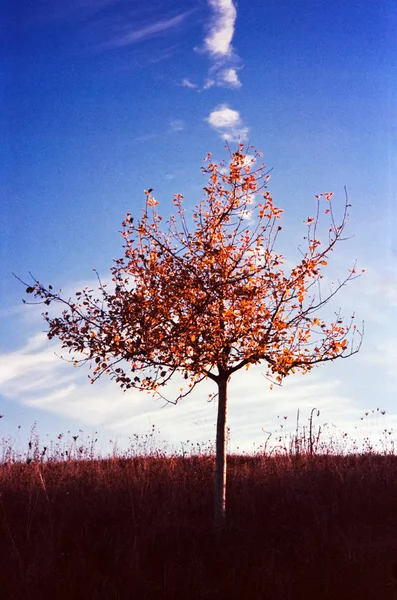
x=303 y=522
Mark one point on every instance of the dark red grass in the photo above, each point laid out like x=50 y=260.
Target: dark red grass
x=299 y=527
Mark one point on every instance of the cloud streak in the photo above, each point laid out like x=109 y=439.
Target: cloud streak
x=189 y=84
x=135 y=36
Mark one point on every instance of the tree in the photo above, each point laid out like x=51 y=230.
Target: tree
x=209 y=297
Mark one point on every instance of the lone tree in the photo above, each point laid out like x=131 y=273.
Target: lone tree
x=209 y=297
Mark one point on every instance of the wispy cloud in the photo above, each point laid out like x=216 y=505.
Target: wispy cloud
x=230 y=77
x=176 y=125
x=218 y=45
x=218 y=41
x=133 y=36
x=33 y=376
x=223 y=77
x=228 y=123
x=31 y=358
x=187 y=83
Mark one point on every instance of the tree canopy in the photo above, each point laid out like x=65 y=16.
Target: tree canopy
x=211 y=297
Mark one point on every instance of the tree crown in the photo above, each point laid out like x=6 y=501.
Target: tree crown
x=211 y=297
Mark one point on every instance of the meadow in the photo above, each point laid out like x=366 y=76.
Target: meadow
x=306 y=519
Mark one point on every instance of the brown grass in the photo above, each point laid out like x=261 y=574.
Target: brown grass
x=300 y=526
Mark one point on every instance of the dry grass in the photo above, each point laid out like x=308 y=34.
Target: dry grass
x=301 y=525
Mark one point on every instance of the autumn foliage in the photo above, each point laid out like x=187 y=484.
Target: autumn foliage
x=209 y=297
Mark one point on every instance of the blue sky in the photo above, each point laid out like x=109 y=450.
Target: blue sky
x=105 y=98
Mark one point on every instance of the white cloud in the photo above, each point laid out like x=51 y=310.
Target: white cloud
x=223 y=116
x=228 y=123
x=230 y=77
x=218 y=45
x=221 y=29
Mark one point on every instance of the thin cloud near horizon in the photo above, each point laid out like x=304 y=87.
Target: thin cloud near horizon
x=61 y=390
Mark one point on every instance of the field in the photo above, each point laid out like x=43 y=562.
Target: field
x=302 y=523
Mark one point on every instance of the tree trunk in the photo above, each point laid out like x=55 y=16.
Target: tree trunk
x=221 y=459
